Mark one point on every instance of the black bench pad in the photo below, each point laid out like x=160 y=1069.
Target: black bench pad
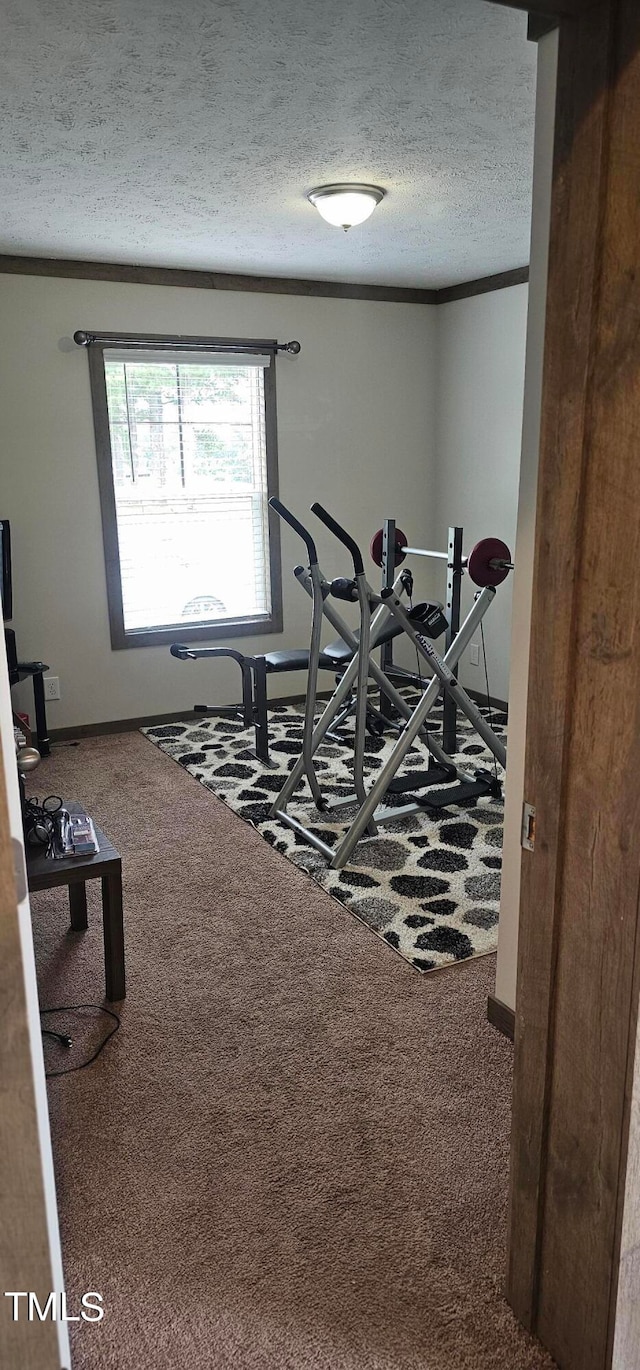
x=298 y=660
x=336 y=654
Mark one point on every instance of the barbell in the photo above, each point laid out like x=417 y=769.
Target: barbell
x=488 y=563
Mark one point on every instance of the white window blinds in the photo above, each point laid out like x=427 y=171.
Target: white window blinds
x=189 y=462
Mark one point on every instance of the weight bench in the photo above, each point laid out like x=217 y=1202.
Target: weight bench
x=253 y=709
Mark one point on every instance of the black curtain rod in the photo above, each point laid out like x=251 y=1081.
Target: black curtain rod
x=85 y=339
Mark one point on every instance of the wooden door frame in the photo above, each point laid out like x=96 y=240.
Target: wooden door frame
x=579 y=935
x=29 y=1243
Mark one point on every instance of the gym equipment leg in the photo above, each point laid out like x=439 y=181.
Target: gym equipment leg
x=344 y=687
x=454 y=582
x=42 y=733
x=388 y=575
x=260 y=714
x=378 y=625
x=411 y=731
x=446 y=675
x=251 y=715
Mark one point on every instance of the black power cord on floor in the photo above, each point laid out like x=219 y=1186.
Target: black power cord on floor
x=67 y=1041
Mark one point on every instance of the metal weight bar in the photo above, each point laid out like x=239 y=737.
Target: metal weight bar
x=398 y=547
x=490 y=557
x=424 y=552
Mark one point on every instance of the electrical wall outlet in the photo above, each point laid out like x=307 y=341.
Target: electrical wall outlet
x=474 y=654
x=51 y=687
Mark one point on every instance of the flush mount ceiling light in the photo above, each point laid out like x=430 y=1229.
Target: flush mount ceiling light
x=345 y=205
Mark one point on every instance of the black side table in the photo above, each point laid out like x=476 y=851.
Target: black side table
x=45 y=873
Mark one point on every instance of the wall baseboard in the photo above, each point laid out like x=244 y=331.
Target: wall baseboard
x=501 y=1016
x=480 y=698
x=118 y=725
x=131 y=725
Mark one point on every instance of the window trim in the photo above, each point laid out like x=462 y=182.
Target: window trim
x=193 y=632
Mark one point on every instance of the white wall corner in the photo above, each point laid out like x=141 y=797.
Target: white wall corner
x=525 y=538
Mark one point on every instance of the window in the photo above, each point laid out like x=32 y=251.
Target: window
x=186 y=443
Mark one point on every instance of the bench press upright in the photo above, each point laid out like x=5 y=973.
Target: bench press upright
x=393 y=552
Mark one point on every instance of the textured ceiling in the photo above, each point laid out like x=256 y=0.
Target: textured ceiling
x=186 y=133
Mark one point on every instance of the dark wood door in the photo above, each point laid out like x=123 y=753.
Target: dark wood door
x=579 y=962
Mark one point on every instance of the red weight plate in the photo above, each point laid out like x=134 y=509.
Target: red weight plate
x=375 y=546
x=479 y=562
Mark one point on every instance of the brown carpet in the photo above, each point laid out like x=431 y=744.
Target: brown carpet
x=294 y=1153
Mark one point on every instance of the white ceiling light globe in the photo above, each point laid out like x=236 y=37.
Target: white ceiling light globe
x=345 y=205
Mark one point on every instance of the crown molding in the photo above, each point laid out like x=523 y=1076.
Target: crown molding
x=208 y=280
x=483 y=285
x=116 y=272
x=538 y=25
x=551 y=9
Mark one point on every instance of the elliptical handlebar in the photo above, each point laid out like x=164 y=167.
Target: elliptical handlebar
x=342 y=536
x=297 y=526
x=343 y=588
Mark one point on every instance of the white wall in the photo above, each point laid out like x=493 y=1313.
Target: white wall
x=512 y=854
x=355 y=431
x=480 y=385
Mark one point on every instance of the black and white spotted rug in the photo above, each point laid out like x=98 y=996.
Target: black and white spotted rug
x=430 y=887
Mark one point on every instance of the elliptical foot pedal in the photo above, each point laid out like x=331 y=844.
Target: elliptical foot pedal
x=484 y=784
x=417 y=780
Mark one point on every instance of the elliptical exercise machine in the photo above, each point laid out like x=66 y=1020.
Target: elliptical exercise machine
x=488 y=565
x=351 y=692
x=252 y=710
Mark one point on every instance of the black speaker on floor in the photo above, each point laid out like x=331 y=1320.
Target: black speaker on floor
x=12 y=655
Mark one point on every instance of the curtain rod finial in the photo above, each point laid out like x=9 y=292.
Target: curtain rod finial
x=82 y=339
x=292 y=347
